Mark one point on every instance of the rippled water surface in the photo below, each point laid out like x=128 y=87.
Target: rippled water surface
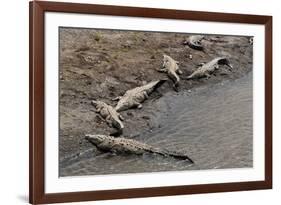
x=212 y=124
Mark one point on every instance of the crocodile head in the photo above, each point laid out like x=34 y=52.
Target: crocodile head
x=197 y=39
x=169 y=62
x=166 y=61
x=95 y=139
x=98 y=104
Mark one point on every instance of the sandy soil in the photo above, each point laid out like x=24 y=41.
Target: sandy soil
x=103 y=64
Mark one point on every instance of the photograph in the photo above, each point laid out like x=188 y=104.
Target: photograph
x=129 y=102
x=148 y=101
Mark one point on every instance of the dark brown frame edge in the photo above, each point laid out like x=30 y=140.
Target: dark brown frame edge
x=37 y=194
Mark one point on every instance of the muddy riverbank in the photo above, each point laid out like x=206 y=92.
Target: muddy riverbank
x=205 y=113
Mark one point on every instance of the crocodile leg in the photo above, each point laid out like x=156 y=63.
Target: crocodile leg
x=207 y=75
x=164 y=70
x=121 y=117
x=108 y=119
x=179 y=72
x=116 y=99
x=139 y=105
x=201 y=64
x=145 y=95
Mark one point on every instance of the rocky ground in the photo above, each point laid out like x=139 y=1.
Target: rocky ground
x=103 y=64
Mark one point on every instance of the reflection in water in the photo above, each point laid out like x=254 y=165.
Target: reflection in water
x=213 y=125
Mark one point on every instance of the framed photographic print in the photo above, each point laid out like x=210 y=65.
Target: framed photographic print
x=139 y=102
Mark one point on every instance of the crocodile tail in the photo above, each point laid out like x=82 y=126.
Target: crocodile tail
x=119 y=125
x=159 y=83
x=195 y=46
x=155 y=85
x=175 y=78
x=119 y=130
x=181 y=156
x=174 y=155
x=188 y=78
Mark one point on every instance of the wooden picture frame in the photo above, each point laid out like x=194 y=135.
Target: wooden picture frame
x=37 y=11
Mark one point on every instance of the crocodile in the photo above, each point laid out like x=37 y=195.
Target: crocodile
x=195 y=42
x=251 y=40
x=171 y=67
x=111 y=116
x=122 y=145
x=206 y=69
x=134 y=97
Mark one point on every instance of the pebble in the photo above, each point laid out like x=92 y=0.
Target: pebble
x=129 y=114
x=146 y=117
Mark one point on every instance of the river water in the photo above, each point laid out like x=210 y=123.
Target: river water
x=211 y=124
